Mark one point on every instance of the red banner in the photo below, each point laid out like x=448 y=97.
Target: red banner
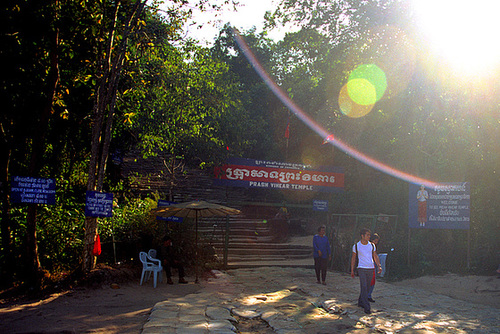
x=274 y=177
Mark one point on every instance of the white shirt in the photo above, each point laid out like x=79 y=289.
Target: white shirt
x=365 y=255
x=422 y=195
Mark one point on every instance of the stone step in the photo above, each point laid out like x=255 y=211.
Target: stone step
x=252 y=239
x=244 y=251
x=295 y=263
x=266 y=259
x=257 y=246
x=239 y=233
x=240 y=224
x=232 y=222
x=233 y=228
x=257 y=231
x=253 y=242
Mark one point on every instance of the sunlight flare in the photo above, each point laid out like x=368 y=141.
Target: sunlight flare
x=463 y=33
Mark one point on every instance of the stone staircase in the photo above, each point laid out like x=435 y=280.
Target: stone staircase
x=257 y=242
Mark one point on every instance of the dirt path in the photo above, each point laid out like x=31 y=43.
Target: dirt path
x=484 y=290
x=102 y=310
x=125 y=310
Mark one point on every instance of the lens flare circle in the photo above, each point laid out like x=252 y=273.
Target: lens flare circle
x=361 y=91
x=367 y=84
x=351 y=108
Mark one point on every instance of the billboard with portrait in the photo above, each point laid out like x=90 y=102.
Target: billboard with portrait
x=443 y=206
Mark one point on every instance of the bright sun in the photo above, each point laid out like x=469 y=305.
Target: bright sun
x=463 y=32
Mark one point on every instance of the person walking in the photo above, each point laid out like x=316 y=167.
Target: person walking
x=170 y=259
x=364 y=252
x=322 y=254
x=375 y=239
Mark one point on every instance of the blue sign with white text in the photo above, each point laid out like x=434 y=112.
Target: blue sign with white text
x=320 y=205
x=32 y=190
x=162 y=202
x=98 y=204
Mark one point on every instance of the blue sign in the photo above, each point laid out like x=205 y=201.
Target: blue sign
x=98 y=204
x=444 y=206
x=33 y=190
x=171 y=218
x=320 y=205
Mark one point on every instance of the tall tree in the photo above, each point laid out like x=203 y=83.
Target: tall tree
x=255 y=124
x=116 y=33
x=176 y=115
x=26 y=42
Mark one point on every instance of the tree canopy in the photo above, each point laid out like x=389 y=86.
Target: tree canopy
x=91 y=80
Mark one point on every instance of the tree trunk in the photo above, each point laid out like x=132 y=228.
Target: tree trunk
x=103 y=114
x=6 y=226
x=33 y=261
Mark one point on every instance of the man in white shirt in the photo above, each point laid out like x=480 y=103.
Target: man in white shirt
x=365 y=252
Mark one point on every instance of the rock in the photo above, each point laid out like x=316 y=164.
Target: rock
x=219 y=313
x=270 y=315
x=247 y=314
x=331 y=307
x=221 y=327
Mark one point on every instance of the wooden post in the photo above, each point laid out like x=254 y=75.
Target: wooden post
x=468 y=249
x=196 y=249
x=113 y=240
x=409 y=241
x=226 y=242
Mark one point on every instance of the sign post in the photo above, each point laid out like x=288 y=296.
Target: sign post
x=33 y=190
x=98 y=204
x=320 y=205
x=175 y=219
x=443 y=206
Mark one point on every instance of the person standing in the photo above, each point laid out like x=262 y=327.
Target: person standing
x=422 y=196
x=374 y=240
x=170 y=259
x=322 y=254
x=365 y=254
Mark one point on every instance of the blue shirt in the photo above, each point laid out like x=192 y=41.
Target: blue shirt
x=321 y=244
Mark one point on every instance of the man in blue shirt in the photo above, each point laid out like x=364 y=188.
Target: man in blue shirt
x=322 y=254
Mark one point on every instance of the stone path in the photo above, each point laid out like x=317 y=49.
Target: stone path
x=289 y=301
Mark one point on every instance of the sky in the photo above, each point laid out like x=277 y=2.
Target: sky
x=250 y=13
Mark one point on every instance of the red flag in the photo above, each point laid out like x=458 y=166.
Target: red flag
x=97 y=246
x=287 y=131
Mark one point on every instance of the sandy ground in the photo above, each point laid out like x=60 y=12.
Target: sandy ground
x=484 y=290
x=87 y=310
x=125 y=309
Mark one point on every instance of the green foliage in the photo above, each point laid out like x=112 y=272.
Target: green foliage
x=175 y=99
x=201 y=105
x=60 y=236
x=60 y=232
x=131 y=221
